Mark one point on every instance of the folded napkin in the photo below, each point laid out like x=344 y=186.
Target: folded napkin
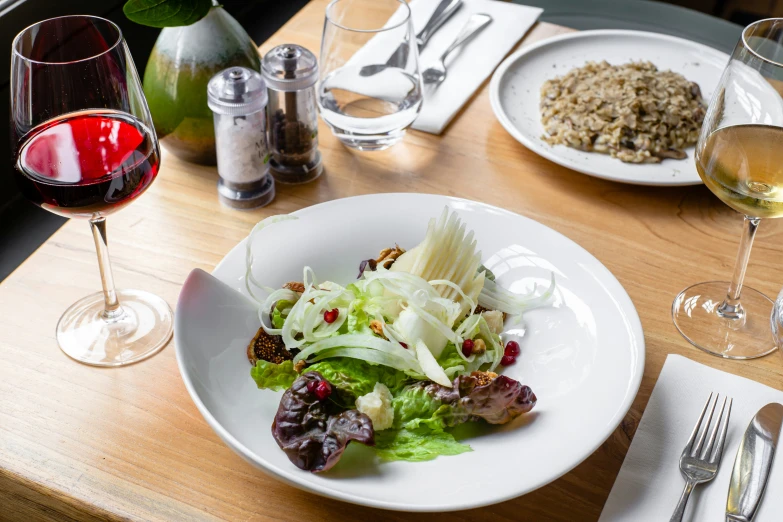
x=649 y=484
x=469 y=66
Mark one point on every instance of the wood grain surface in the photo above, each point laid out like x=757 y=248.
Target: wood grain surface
x=82 y=443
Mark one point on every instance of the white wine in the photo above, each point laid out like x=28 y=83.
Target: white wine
x=743 y=166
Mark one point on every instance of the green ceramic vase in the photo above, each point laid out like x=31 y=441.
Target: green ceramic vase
x=175 y=81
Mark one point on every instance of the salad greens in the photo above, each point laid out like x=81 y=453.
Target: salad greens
x=357 y=378
x=404 y=347
x=274 y=376
x=417 y=445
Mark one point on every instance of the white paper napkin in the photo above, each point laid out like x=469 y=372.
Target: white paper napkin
x=649 y=484
x=470 y=66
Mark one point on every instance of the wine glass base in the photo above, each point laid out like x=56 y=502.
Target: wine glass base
x=695 y=314
x=141 y=328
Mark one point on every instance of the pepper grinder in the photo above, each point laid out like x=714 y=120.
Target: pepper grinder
x=290 y=72
x=238 y=98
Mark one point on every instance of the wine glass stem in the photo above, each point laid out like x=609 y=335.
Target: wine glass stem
x=112 y=308
x=731 y=307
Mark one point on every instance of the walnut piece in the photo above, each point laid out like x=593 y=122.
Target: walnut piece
x=388 y=256
x=479 y=346
x=295 y=287
x=299 y=366
x=377 y=327
x=481 y=309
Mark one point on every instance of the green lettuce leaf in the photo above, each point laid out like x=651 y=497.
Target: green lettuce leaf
x=358 y=316
x=451 y=362
x=274 y=376
x=355 y=377
x=414 y=409
x=277 y=314
x=413 y=405
x=417 y=445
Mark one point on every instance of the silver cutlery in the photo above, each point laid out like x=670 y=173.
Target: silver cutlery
x=753 y=464
x=444 y=11
x=699 y=461
x=437 y=73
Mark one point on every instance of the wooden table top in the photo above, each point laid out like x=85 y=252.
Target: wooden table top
x=128 y=443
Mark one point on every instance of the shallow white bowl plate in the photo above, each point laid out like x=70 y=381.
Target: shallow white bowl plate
x=583 y=356
x=515 y=93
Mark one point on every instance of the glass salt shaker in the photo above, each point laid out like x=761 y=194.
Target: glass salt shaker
x=238 y=98
x=291 y=71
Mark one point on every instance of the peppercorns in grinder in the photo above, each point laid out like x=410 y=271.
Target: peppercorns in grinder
x=290 y=72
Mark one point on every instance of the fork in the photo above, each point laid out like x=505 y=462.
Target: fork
x=437 y=73
x=699 y=462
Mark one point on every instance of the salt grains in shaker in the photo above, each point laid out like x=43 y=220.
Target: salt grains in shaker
x=238 y=98
x=290 y=72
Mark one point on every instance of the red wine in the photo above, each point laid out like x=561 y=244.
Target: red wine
x=87 y=163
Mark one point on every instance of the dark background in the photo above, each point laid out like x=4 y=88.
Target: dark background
x=23 y=227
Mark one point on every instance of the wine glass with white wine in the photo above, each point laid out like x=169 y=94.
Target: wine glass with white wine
x=739 y=157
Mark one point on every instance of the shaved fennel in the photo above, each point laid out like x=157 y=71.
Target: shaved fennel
x=249 y=278
x=447 y=253
x=424 y=303
x=495 y=297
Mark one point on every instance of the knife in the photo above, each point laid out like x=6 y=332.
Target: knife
x=444 y=11
x=753 y=464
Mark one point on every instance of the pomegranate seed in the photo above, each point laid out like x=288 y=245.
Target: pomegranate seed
x=322 y=390
x=467 y=347
x=330 y=316
x=404 y=345
x=512 y=348
x=311 y=386
x=508 y=360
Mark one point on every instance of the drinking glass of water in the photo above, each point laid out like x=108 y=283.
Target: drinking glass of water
x=370 y=86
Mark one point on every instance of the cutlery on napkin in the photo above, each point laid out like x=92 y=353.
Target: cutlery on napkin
x=650 y=478
x=469 y=66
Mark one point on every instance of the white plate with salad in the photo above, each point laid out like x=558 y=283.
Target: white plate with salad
x=477 y=356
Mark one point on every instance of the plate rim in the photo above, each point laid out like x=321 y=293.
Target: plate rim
x=619 y=294
x=534 y=145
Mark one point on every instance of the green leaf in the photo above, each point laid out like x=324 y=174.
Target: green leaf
x=277 y=314
x=416 y=445
x=451 y=362
x=273 y=376
x=166 y=13
x=356 y=378
x=414 y=408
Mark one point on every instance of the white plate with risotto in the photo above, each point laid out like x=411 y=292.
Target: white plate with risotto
x=516 y=97
x=582 y=354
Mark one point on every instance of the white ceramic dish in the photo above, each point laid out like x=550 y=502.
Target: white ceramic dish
x=583 y=357
x=516 y=85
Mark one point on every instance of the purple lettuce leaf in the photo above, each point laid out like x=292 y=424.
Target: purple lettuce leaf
x=498 y=402
x=496 y=399
x=314 y=432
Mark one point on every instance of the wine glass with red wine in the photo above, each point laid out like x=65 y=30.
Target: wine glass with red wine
x=85 y=147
